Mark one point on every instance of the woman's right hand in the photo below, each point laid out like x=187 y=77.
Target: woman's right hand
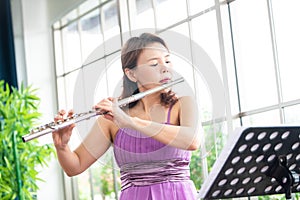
x=62 y=136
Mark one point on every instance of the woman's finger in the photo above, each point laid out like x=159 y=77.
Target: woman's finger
x=62 y=112
x=71 y=113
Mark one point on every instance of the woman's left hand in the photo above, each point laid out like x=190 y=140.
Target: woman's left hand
x=111 y=111
x=120 y=118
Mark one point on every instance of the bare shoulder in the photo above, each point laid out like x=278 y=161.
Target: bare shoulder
x=186 y=100
x=108 y=127
x=188 y=110
x=182 y=102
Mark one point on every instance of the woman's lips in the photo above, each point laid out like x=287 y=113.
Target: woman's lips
x=165 y=80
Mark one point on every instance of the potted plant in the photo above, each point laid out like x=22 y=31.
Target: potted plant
x=19 y=160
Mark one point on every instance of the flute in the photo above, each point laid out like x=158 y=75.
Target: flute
x=54 y=126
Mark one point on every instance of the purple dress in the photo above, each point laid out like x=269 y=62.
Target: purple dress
x=151 y=170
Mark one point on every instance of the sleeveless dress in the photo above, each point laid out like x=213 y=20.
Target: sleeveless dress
x=151 y=170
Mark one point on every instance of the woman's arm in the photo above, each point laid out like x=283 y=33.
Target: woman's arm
x=93 y=146
x=184 y=136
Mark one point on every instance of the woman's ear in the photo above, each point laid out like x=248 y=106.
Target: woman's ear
x=130 y=74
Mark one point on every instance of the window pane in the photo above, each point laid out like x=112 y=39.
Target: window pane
x=114 y=75
x=110 y=12
x=111 y=27
x=197 y=6
x=196 y=168
x=215 y=138
x=205 y=34
x=169 y=12
x=230 y=65
x=69 y=17
x=61 y=93
x=143 y=5
x=84 y=184
x=95 y=89
x=95 y=82
x=236 y=123
x=269 y=118
x=292 y=115
x=87 y=6
x=103 y=177
x=91 y=36
x=286 y=17
x=58 y=53
x=143 y=16
x=254 y=58
x=74 y=81
x=71 y=47
x=204 y=99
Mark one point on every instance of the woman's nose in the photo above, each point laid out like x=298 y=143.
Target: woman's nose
x=164 y=68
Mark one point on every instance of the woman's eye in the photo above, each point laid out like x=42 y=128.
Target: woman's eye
x=154 y=65
x=168 y=62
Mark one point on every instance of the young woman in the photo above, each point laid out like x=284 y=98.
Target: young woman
x=152 y=137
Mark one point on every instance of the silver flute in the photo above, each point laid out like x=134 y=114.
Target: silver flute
x=75 y=118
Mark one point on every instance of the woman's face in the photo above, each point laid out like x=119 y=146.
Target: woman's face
x=153 y=66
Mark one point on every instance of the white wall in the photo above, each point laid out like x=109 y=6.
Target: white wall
x=40 y=74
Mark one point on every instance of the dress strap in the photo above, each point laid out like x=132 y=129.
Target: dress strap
x=169 y=114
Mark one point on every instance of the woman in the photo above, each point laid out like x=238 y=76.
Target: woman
x=152 y=137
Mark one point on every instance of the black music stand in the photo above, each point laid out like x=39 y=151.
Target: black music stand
x=256 y=161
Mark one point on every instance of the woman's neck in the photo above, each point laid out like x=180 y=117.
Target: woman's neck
x=148 y=102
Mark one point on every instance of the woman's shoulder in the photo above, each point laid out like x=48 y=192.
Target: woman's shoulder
x=107 y=126
x=186 y=103
x=182 y=102
x=185 y=100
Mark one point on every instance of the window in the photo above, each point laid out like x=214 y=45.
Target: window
x=91 y=36
x=197 y=6
x=142 y=14
x=253 y=54
x=169 y=13
x=71 y=47
x=111 y=28
x=292 y=114
x=248 y=48
x=288 y=44
x=260 y=119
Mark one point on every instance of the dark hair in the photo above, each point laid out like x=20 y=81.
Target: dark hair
x=129 y=56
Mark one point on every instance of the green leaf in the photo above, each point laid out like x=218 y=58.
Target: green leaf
x=7 y=163
x=33 y=97
x=19 y=112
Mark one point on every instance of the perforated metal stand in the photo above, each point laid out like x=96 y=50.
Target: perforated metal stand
x=283 y=175
x=256 y=161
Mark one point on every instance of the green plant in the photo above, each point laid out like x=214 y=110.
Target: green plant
x=214 y=145
x=196 y=169
x=19 y=160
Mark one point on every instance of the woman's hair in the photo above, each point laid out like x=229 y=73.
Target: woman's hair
x=129 y=57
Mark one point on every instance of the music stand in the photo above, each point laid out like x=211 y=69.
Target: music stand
x=256 y=161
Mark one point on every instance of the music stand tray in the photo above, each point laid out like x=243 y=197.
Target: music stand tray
x=256 y=161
